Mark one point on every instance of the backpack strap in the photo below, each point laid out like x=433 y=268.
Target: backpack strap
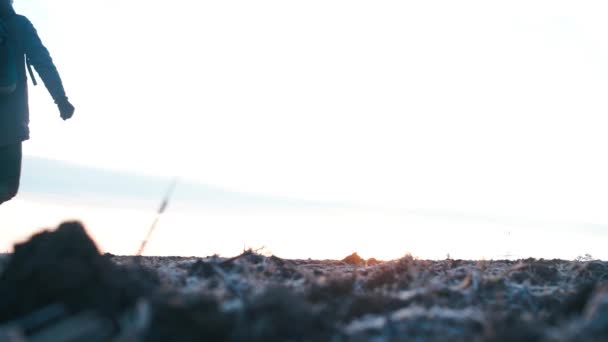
x=3 y=30
x=29 y=69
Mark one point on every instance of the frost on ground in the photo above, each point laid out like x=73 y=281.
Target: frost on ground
x=58 y=286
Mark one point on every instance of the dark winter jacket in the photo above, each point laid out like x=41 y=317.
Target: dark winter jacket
x=14 y=110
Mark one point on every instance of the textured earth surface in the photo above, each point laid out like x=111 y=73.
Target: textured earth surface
x=58 y=284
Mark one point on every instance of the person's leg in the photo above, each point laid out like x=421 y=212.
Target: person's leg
x=10 y=171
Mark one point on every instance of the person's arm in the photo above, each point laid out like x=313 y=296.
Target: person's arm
x=39 y=57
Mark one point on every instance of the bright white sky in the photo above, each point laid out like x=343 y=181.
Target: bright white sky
x=498 y=108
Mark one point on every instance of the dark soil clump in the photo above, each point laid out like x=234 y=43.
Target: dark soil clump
x=65 y=267
x=279 y=314
x=189 y=318
x=202 y=269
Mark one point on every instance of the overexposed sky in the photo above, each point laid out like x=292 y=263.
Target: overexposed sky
x=487 y=107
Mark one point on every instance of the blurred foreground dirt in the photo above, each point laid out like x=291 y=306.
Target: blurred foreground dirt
x=57 y=287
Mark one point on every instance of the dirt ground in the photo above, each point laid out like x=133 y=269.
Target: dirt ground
x=58 y=287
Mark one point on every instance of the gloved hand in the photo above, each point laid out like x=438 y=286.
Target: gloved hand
x=65 y=109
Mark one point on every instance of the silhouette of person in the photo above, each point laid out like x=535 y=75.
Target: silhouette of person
x=14 y=111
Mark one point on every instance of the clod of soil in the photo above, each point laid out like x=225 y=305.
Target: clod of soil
x=373 y=262
x=596 y=311
x=279 y=314
x=189 y=318
x=354 y=259
x=65 y=267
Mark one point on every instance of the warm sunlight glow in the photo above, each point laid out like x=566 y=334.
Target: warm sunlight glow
x=453 y=123
x=322 y=234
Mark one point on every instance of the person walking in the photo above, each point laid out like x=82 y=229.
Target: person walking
x=21 y=47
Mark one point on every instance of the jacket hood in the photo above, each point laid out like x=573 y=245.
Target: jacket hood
x=6 y=9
